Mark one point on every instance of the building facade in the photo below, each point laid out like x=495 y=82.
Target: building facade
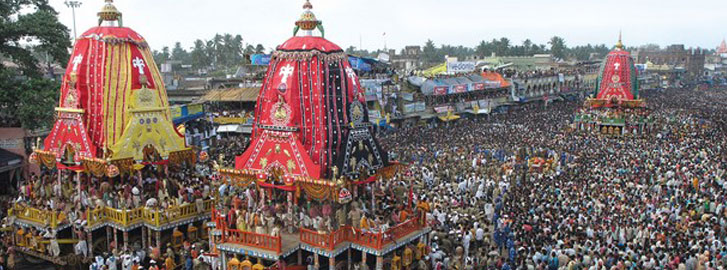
x=409 y=58
x=690 y=60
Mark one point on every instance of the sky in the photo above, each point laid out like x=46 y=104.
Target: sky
x=362 y=23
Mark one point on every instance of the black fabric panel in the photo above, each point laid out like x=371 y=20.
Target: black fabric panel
x=336 y=104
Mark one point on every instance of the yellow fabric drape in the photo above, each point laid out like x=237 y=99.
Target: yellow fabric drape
x=47 y=159
x=317 y=192
x=98 y=169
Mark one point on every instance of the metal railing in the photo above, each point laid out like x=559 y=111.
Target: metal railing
x=251 y=239
x=43 y=217
x=121 y=217
x=367 y=238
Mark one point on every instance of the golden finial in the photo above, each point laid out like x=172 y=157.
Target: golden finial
x=619 y=45
x=109 y=13
x=308 y=21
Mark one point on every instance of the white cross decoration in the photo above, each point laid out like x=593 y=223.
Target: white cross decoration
x=139 y=63
x=351 y=74
x=616 y=65
x=286 y=71
x=77 y=61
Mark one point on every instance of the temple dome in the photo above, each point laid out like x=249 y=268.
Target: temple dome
x=113 y=104
x=311 y=120
x=309 y=43
x=617 y=82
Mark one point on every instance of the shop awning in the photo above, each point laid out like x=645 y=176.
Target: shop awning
x=232 y=95
x=9 y=160
x=232 y=128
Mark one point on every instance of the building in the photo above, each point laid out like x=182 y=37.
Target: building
x=689 y=60
x=408 y=59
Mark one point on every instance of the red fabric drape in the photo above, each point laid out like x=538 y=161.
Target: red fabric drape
x=280 y=187
x=369 y=180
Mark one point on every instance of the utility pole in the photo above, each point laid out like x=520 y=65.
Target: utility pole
x=73 y=4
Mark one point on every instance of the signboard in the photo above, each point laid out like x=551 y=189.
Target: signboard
x=176 y=112
x=484 y=103
x=407 y=96
x=492 y=84
x=459 y=88
x=11 y=143
x=374 y=114
x=440 y=90
x=184 y=113
x=358 y=64
x=477 y=86
x=260 y=59
x=460 y=67
x=442 y=109
x=414 y=107
x=195 y=109
x=384 y=57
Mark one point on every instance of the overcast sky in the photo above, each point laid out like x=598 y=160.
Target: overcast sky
x=695 y=23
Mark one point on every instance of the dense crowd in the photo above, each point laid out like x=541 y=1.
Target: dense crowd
x=602 y=202
x=650 y=202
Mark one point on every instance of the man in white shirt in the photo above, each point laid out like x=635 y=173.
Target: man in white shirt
x=480 y=236
x=466 y=243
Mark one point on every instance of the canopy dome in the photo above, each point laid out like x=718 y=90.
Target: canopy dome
x=113 y=104
x=311 y=114
x=617 y=82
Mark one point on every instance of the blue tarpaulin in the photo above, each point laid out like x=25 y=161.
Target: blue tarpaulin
x=260 y=59
x=357 y=63
x=360 y=63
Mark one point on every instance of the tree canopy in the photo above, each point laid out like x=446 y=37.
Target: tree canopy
x=222 y=51
x=557 y=47
x=29 y=28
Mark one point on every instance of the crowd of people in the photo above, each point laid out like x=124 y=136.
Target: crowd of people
x=537 y=73
x=650 y=202
x=607 y=202
x=272 y=212
x=151 y=188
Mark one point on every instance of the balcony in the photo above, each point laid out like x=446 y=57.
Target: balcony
x=158 y=219
x=38 y=218
x=328 y=244
x=368 y=239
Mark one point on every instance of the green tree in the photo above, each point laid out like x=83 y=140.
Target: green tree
x=29 y=28
x=249 y=49
x=351 y=50
x=161 y=57
x=179 y=54
x=259 y=48
x=557 y=47
x=484 y=49
x=528 y=47
x=502 y=46
x=39 y=27
x=429 y=53
x=198 y=56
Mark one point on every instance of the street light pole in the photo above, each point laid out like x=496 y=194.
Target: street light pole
x=73 y=5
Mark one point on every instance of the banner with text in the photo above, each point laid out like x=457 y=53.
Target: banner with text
x=442 y=109
x=440 y=90
x=460 y=67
